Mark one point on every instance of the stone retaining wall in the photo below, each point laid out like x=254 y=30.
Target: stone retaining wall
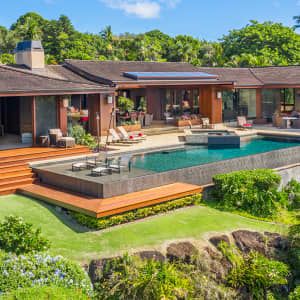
x=199 y=175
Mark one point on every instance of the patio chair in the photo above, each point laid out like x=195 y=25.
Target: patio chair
x=122 y=163
x=57 y=139
x=206 y=124
x=168 y=118
x=132 y=136
x=243 y=123
x=90 y=162
x=100 y=171
x=116 y=138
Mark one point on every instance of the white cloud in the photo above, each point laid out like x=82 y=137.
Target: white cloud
x=145 y=9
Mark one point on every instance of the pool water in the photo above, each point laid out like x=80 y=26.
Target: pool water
x=199 y=155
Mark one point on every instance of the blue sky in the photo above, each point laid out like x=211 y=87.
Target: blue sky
x=208 y=19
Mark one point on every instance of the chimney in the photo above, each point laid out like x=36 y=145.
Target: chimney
x=31 y=54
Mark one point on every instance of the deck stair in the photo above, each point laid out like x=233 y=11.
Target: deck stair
x=109 y=206
x=15 y=171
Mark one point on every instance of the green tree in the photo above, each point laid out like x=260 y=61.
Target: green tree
x=260 y=44
x=297 y=19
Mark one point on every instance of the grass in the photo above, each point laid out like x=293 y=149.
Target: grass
x=75 y=242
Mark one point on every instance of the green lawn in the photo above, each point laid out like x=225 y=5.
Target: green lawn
x=74 y=242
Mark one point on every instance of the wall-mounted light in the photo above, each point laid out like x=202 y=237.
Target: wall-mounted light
x=110 y=99
x=65 y=101
x=219 y=95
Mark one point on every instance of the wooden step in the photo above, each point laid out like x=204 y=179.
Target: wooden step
x=19 y=168
x=12 y=178
x=10 y=190
x=109 y=206
x=40 y=156
x=16 y=183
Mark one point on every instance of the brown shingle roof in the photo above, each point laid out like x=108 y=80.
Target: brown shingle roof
x=260 y=76
x=241 y=76
x=18 y=81
x=113 y=70
x=278 y=75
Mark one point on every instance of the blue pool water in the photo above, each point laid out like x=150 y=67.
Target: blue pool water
x=198 y=155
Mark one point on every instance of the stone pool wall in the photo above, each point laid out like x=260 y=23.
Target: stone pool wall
x=200 y=175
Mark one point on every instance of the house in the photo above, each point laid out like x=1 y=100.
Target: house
x=35 y=97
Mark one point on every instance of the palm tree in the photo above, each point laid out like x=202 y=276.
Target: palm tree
x=297 y=19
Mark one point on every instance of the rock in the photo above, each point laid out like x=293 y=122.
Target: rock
x=277 y=241
x=216 y=240
x=183 y=251
x=151 y=255
x=99 y=268
x=249 y=240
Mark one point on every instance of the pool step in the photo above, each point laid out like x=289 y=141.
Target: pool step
x=97 y=207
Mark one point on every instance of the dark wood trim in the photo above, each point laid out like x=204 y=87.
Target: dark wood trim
x=33 y=111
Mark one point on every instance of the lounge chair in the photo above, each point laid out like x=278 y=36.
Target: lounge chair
x=57 y=139
x=134 y=136
x=243 y=123
x=99 y=171
x=116 y=138
x=122 y=163
x=206 y=124
x=90 y=162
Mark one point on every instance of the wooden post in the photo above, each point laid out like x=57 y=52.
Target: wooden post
x=33 y=116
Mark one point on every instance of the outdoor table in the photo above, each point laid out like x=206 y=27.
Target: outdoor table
x=287 y=121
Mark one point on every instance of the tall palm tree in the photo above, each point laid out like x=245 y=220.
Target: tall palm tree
x=297 y=19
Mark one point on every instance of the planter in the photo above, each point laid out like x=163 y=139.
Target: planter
x=184 y=123
x=134 y=127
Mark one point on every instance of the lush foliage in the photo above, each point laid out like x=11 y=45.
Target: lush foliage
x=256 y=44
x=295 y=295
x=18 y=237
x=83 y=138
x=254 y=271
x=125 y=104
x=292 y=190
x=41 y=270
x=131 y=278
x=137 y=214
x=254 y=191
x=46 y=293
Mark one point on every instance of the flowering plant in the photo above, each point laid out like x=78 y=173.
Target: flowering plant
x=41 y=270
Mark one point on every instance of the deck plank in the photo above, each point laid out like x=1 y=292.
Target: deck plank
x=110 y=206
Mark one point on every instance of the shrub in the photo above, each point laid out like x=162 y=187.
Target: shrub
x=18 y=237
x=46 y=293
x=254 y=271
x=295 y=295
x=254 y=191
x=83 y=138
x=292 y=189
x=132 y=278
x=137 y=214
x=41 y=270
x=125 y=104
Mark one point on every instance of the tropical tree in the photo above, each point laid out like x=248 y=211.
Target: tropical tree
x=297 y=19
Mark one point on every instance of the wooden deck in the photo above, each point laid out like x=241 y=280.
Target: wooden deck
x=14 y=164
x=109 y=206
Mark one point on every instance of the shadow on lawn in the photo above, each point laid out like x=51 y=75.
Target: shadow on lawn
x=63 y=216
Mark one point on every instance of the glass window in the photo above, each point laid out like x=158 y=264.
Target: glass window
x=196 y=100
x=270 y=102
x=247 y=102
x=287 y=100
x=229 y=105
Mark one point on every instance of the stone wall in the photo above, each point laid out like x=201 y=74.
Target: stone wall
x=199 y=175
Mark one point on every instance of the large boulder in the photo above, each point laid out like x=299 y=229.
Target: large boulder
x=249 y=240
x=101 y=268
x=183 y=251
x=151 y=255
x=216 y=240
x=276 y=241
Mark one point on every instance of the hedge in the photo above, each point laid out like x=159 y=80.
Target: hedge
x=252 y=191
x=136 y=214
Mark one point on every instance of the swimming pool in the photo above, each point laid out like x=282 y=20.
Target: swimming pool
x=199 y=155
